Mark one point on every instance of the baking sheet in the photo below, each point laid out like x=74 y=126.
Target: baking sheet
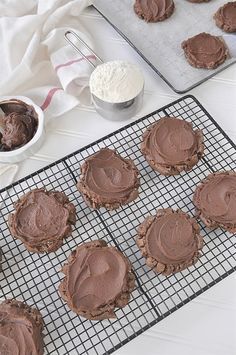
x=160 y=43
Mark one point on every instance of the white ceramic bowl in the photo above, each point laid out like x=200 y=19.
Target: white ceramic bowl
x=34 y=144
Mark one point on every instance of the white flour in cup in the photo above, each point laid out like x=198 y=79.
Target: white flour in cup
x=116 y=81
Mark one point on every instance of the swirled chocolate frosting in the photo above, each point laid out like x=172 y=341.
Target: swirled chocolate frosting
x=98 y=278
x=108 y=180
x=19 y=124
x=154 y=10
x=170 y=240
x=20 y=329
x=205 y=51
x=42 y=219
x=215 y=200
x=225 y=17
x=171 y=145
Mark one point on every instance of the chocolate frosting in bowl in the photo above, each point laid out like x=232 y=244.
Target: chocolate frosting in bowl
x=19 y=124
x=108 y=180
x=171 y=145
x=215 y=200
x=20 y=329
x=42 y=219
x=18 y=130
x=170 y=241
x=154 y=10
x=97 y=279
x=225 y=17
x=17 y=106
x=205 y=51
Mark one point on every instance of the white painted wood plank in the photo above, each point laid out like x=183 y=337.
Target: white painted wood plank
x=206 y=326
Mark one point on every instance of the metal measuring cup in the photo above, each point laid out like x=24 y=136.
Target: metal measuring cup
x=114 y=111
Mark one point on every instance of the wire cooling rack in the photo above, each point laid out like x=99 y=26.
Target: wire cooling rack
x=34 y=278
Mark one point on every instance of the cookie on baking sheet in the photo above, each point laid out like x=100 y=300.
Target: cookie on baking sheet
x=171 y=145
x=205 y=51
x=98 y=279
x=215 y=200
x=225 y=17
x=42 y=219
x=154 y=10
x=170 y=241
x=20 y=329
x=108 y=180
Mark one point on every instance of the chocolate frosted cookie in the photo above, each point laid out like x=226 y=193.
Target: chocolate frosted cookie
x=154 y=10
x=98 y=278
x=215 y=200
x=225 y=17
x=42 y=219
x=170 y=241
x=20 y=329
x=171 y=145
x=19 y=124
x=205 y=51
x=108 y=180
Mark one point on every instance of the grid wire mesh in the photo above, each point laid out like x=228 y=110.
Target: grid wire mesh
x=34 y=278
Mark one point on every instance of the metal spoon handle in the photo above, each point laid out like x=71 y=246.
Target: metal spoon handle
x=72 y=33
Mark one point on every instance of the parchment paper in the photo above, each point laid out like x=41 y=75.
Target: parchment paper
x=160 y=43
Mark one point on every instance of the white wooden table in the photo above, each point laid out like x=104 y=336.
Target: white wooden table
x=205 y=326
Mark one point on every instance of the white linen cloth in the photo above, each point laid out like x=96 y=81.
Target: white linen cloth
x=36 y=61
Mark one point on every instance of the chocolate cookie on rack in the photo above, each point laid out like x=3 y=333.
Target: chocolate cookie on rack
x=215 y=200
x=170 y=241
x=154 y=10
x=205 y=51
x=20 y=329
x=98 y=279
x=108 y=180
x=225 y=17
x=171 y=145
x=42 y=219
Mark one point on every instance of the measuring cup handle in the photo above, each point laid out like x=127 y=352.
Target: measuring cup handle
x=73 y=34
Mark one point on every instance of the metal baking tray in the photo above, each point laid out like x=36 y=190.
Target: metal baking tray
x=159 y=44
x=34 y=278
